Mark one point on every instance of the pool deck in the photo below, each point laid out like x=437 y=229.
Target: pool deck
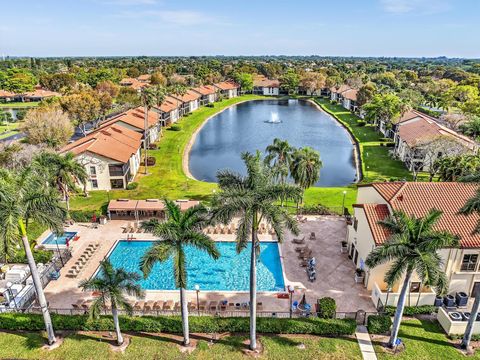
x=334 y=270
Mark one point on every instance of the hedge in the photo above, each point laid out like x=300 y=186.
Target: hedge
x=412 y=310
x=82 y=216
x=326 y=308
x=379 y=324
x=173 y=324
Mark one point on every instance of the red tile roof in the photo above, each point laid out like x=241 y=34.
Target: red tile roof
x=262 y=81
x=134 y=117
x=350 y=94
x=340 y=89
x=169 y=104
x=190 y=95
x=205 y=89
x=418 y=198
x=5 y=93
x=227 y=85
x=41 y=93
x=374 y=213
x=114 y=142
x=144 y=77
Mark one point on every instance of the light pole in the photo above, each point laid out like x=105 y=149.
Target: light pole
x=291 y=289
x=197 y=289
x=343 y=202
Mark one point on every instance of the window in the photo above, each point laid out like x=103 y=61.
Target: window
x=94 y=184
x=116 y=183
x=415 y=287
x=469 y=262
x=93 y=170
x=115 y=170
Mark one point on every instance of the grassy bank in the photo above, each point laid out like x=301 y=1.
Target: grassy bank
x=19 y=104
x=161 y=346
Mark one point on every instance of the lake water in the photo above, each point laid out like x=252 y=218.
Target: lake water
x=253 y=125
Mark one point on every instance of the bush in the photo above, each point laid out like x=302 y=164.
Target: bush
x=153 y=147
x=361 y=123
x=175 y=128
x=379 y=324
x=412 y=310
x=132 y=186
x=326 y=308
x=173 y=324
x=81 y=215
x=40 y=256
x=317 y=210
x=210 y=105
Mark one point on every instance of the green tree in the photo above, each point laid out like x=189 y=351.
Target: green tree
x=181 y=230
x=305 y=167
x=63 y=172
x=112 y=284
x=245 y=80
x=290 y=81
x=453 y=168
x=252 y=198
x=24 y=197
x=19 y=80
x=471 y=127
x=82 y=107
x=366 y=93
x=383 y=107
x=279 y=158
x=58 y=82
x=412 y=248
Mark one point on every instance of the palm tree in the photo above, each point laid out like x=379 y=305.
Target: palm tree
x=280 y=152
x=412 y=247
x=25 y=197
x=181 y=230
x=150 y=97
x=252 y=198
x=112 y=284
x=64 y=171
x=305 y=167
x=177 y=89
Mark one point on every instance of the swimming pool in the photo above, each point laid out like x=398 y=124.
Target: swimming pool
x=53 y=239
x=229 y=273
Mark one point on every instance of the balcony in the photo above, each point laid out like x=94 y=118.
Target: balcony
x=118 y=170
x=382 y=297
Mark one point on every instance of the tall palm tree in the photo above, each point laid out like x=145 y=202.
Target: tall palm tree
x=181 y=230
x=252 y=198
x=412 y=247
x=25 y=197
x=112 y=284
x=305 y=167
x=280 y=152
x=177 y=89
x=150 y=96
x=64 y=171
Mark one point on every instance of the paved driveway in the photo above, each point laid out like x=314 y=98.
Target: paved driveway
x=335 y=271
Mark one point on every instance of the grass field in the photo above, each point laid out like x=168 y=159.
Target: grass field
x=17 y=105
x=423 y=340
x=159 y=346
x=166 y=178
x=9 y=129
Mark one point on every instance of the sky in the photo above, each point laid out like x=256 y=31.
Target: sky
x=405 y=28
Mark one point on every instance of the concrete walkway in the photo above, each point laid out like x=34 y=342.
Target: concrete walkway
x=366 y=347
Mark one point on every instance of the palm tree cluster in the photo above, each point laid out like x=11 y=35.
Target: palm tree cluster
x=302 y=164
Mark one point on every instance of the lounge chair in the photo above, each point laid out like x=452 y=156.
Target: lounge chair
x=168 y=305
x=191 y=306
x=86 y=304
x=78 y=305
x=299 y=241
x=213 y=306
x=139 y=305
x=312 y=236
x=202 y=305
x=158 y=305
x=259 y=306
x=231 y=306
x=300 y=249
x=223 y=305
x=149 y=305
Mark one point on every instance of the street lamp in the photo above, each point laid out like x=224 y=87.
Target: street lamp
x=343 y=202
x=291 y=289
x=197 y=289
x=10 y=295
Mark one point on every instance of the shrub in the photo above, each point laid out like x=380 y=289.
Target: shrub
x=379 y=324
x=361 y=123
x=175 y=128
x=40 y=256
x=326 y=308
x=132 y=186
x=82 y=215
x=210 y=105
x=173 y=324
x=152 y=146
x=412 y=310
x=317 y=210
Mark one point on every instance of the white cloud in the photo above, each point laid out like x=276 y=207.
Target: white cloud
x=417 y=6
x=176 y=17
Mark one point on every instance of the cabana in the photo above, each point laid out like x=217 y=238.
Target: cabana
x=150 y=208
x=122 y=209
x=186 y=204
x=125 y=209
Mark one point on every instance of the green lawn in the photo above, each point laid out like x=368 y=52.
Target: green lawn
x=423 y=340
x=159 y=346
x=8 y=129
x=377 y=164
x=19 y=104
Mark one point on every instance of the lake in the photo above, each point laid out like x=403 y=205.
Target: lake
x=253 y=125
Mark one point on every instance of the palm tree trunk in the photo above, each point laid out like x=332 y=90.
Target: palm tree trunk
x=117 y=325
x=467 y=337
x=184 y=309
x=253 y=288
x=37 y=284
x=399 y=311
x=145 y=137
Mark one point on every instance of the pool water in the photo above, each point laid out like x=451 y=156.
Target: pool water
x=229 y=273
x=60 y=240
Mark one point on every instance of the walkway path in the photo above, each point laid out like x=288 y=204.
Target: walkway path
x=366 y=347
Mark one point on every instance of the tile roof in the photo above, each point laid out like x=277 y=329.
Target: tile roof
x=350 y=94
x=205 y=89
x=190 y=95
x=134 y=117
x=374 y=213
x=262 y=81
x=227 y=85
x=41 y=93
x=144 y=77
x=169 y=104
x=5 y=93
x=133 y=83
x=340 y=89
x=114 y=142
x=418 y=198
